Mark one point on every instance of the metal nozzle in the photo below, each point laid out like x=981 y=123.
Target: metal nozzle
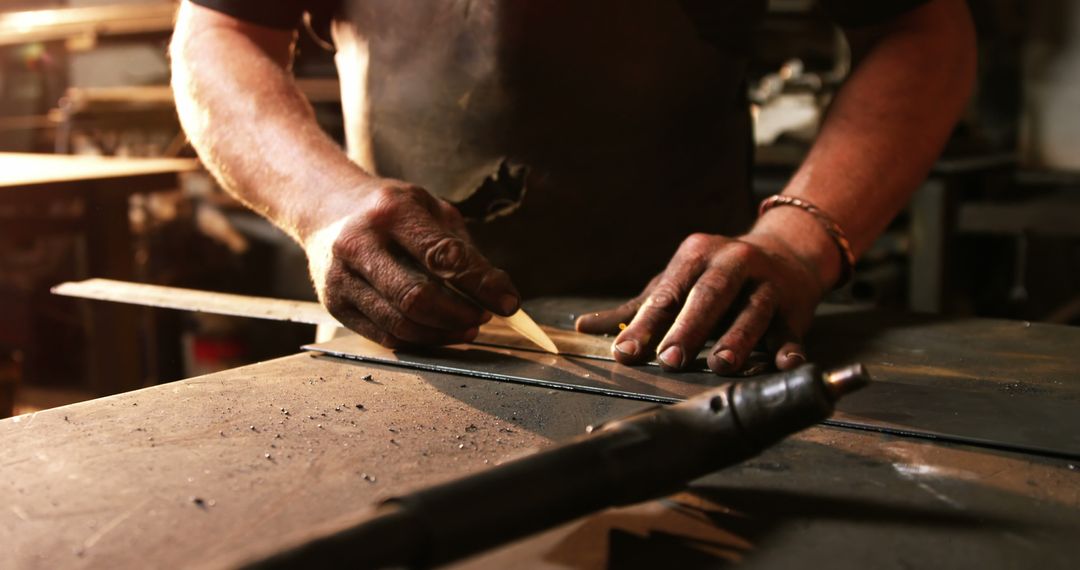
x=843 y=381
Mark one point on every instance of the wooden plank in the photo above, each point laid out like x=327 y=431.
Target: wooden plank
x=198 y=301
x=59 y=24
x=25 y=170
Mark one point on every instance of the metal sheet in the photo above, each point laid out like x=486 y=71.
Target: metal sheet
x=531 y=367
x=976 y=416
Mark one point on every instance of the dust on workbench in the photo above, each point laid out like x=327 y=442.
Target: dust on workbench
x=253 y=454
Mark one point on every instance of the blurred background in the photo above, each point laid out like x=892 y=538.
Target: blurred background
x=994 y=231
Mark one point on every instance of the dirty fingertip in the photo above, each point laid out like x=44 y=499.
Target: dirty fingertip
x=508 y=304
x=581 y=324
x=790 y=359
x=722 y=361
x=671 y=357
x=593 y=323
x=626 y=351
x=497 y=293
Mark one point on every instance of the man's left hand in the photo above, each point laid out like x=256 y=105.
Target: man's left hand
x=751 y=288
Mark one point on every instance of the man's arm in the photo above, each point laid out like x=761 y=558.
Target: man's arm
x=883 y=132
x=380 y=250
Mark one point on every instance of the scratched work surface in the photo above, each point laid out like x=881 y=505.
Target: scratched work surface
x=966 y=381
x=178 y=476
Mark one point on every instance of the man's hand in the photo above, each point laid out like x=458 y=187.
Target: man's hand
x=381 y=251
x=383 y=269
x=757 y=286
x=873 y=150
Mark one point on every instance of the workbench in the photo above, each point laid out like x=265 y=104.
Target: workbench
x=204 y=471
x=43 y=194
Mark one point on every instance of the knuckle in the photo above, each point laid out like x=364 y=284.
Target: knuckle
x=387 y=204
x=448 y=211
x=763 y=299
x=697 y=241
x=710 y=291
x=416 y=194
x=741 y=253
x=414 y=296
x=350 y=244
x=449 y=255
x=630 y=307
x=664 y=299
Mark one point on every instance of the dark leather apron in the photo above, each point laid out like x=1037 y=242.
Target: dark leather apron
x=585 y=138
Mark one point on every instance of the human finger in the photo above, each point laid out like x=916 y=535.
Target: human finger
x=661 y=306
x=613 y=320
x=607 y=322
x=788 y=346
x=389 y=319
x=412 y=292
x=730 y=352
x=359 y=307
x=706 y=304
x=406 y=216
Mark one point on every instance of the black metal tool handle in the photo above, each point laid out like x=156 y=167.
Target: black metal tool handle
x=647 y=455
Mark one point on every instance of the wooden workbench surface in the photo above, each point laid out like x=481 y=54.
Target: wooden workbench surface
x=203 y=471
x=28 y=169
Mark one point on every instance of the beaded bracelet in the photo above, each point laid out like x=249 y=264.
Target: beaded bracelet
x=847 y=256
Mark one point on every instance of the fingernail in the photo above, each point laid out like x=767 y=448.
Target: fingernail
x=508 y=304
x=672 y=357
x=795 y=358
x=728 y=359
x=628 y=347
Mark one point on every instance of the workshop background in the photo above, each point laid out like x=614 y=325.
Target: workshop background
x=993 y=232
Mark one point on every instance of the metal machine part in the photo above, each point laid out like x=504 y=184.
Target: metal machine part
x=647 y=455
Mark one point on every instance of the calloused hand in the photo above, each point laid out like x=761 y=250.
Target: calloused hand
x=382 y=269
x=755 y=282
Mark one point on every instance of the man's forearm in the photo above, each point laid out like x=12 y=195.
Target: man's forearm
x=251 y=125
x=884 y=130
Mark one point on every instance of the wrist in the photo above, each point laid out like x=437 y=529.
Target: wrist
x=804 y=238
x=330 y=207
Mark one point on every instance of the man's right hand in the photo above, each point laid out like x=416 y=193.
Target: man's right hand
x=382 y=269
x=383 y=254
